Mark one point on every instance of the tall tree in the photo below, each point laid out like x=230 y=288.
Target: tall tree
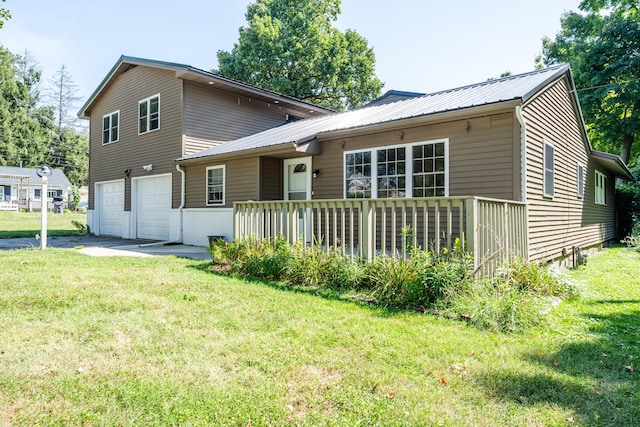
x=23 y=138
x=601 y=42
x=4 y=15
x=63 y=94
x=291 y=47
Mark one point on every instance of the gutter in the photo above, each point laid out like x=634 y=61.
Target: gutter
x=180 y=220
x=523 y=154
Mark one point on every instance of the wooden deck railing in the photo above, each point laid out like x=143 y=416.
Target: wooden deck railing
x=492 y=230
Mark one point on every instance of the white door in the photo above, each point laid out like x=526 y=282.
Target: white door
x=153 y=207
x=110 y=201
x=297 y=186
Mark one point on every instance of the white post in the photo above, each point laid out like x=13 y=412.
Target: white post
x=43 y=214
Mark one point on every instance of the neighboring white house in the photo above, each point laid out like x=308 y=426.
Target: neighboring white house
x=21 y=188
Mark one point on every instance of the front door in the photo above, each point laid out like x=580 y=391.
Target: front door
x=297 y=186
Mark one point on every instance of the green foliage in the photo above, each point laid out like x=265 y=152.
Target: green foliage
x=4 y=15
x=632 y=241
x=601 y=44
x=422 y=280
x=28 y=131
x=628 y=204
x=515 y=299
x=292 y=48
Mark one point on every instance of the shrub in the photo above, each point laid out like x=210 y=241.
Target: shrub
x=493 y=304
x=422 y=280
x=515 y=299
x=628 y=204
x=267 y=259
x=536 y=278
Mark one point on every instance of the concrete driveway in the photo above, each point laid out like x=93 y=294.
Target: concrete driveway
x=109 y=246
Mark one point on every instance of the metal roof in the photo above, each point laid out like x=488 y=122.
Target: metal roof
x=124 y=63
x=57 y=179
x=519 y=87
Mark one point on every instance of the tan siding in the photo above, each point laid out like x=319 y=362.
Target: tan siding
x=213 y=116
x=559 y=223
x=480 y=159
x=241 y=182
x=160 y=147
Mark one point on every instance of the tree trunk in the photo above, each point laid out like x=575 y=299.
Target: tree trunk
x=625 y=151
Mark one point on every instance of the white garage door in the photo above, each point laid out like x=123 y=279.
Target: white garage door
x=153 y=205
x=110 y=207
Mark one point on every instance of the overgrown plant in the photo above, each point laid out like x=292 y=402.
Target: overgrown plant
x=515 y=299
x=440 y=280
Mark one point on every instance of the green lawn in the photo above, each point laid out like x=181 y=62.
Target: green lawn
x=164 y=341
x=28 y=224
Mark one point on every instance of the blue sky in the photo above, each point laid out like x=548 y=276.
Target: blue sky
x=420 y=46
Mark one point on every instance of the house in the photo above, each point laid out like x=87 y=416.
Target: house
x=20 y=188
x=503 y=165
x=143 y=116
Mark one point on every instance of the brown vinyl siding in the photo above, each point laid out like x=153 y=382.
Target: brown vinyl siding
x=271 y=178
x=213 y=117
x=558 y=224
x=481 y=159
x=131 y=151
x=241 y=182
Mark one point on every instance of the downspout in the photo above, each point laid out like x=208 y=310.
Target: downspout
x=523 y=174
x=523 y=154
x=182 y=203
x=182 y=200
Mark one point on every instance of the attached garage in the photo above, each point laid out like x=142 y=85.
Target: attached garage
x=152 y=206
x=110 y=207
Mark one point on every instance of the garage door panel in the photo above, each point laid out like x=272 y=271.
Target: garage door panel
x=153 y=207
x=111 y=207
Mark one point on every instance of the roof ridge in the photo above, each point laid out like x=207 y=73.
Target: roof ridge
x=498 y=80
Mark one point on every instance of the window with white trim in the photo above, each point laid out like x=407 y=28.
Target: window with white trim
x=549 y=170
x=54 y=193
x=601 y=189
x=580 y=180
x=110 y=127
x=215 y=185
x=408 y=170
x=149 y=114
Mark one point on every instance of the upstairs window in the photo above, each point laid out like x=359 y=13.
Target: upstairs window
x=411 y=170
x=149 y=114
x=601 y=189
x=580 y=180
x=215 y=185
x=111 y=127
x=549 y=170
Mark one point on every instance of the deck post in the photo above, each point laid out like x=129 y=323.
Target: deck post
x=471 y=236
x=367 y=241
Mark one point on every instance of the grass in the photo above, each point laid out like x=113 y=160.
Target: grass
x=28 y=224
x=164 y=341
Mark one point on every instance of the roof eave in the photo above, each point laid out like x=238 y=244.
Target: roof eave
x=614 y=163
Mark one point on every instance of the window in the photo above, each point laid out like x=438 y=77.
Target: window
x=54 y=193
x=601 y=189
x=3 y=193
x=580 y=180
x=36 y=194
x=110 y=127
x=549 y=170
x=215 y=185
x=412 y=170
x=149 y=114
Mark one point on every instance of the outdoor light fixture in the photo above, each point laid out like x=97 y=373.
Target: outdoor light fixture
x=316 y=172
x=127 y=172
x=148 y=167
